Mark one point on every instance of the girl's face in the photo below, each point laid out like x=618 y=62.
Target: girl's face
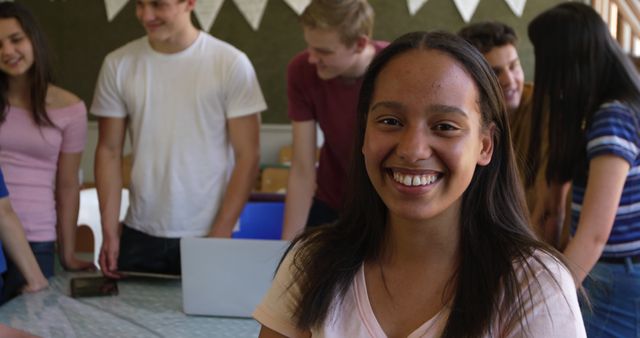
x=424 y=134
x=16 y=50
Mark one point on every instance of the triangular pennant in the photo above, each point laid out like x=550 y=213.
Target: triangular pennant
x=114 y=7
x=206 y=12
x=415 y=5
x=517 y=6
x=298 y=6
x=466 y=8
x=252 y=10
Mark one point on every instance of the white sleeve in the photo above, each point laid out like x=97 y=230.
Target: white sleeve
x=243 y=93
x=107 y=99
x=277 y=307
x=553 y=310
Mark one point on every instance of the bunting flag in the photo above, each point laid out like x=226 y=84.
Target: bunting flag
x=298 y=6
x=466 y=8
x=415 y=5
x=252 y=10
x=517 y=6
x=114 y=7
x=207 y=12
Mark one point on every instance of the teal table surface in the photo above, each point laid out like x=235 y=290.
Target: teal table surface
x=143 y=308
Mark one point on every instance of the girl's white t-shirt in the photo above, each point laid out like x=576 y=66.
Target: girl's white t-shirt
x=553 y=312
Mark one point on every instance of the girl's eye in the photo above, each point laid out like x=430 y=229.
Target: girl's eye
x=389 y=121
x=445 y=127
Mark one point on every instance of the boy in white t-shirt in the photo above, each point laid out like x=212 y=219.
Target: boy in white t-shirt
x=191 y=103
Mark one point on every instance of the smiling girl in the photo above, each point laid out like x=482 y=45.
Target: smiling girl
x=42 y=135
x=434 y=241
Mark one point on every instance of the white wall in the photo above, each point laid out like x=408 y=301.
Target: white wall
x=272 y=138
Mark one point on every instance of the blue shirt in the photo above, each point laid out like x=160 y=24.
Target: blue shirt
x=4 y=193
x=614 y=131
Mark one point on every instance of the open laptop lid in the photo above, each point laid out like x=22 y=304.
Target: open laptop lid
x=227 y=277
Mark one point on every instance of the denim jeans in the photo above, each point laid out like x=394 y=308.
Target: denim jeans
x=1 y=288
x=145 y=253
x=614 y=292
x=13 y=279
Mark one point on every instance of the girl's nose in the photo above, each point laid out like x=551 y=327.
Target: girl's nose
x=414 y=144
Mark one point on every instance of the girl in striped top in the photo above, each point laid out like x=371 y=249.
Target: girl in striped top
x=593 y=94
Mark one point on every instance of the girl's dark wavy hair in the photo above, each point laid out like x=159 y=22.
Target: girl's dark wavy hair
x=40 y=73
x=494 y=231
x=579 y=66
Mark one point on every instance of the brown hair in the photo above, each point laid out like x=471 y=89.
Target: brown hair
x=351 y=18
x=494 y=229
x=40 y=74
x=579 y=66
x=489 y=34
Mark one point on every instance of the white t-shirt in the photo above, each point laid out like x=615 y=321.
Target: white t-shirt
x=177 y=106
x=554 y=311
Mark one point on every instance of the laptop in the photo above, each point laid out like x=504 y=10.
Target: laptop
x=227 y=277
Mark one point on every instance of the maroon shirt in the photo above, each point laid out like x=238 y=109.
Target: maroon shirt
x=332 y=104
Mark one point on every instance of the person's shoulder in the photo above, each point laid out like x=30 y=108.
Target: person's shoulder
x=547 y=303
x=542 y=258
x=218 y=45
x=301 y=59
x=128 y=49
x=299 y=65
x=59 y=98
x=220 y=53
x=543 y=278
x=547 y=269
x=617 y=112
x=614 y=106
x=302 y=246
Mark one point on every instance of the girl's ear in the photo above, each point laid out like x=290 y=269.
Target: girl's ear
x=486 y=139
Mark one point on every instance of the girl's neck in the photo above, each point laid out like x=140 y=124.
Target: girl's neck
x=417 y=271
x=19 y=93
x=431 y=241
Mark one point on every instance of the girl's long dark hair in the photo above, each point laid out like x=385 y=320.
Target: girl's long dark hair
x=494 y=227
x=579 y=66
x=40 y=74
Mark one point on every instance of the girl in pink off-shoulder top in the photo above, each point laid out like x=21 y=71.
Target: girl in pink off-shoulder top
x=42 y=135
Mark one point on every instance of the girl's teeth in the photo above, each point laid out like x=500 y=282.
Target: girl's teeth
x=414 y=180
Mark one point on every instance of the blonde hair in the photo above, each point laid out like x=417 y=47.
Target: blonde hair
x=351 y=18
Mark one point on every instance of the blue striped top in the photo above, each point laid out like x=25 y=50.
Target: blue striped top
x=613 y=131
